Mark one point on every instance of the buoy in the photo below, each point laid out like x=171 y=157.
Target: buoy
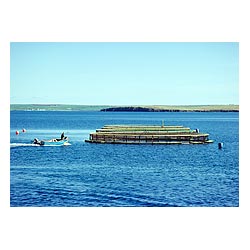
x=24 y=130
x=220 y=145
x=17 y=132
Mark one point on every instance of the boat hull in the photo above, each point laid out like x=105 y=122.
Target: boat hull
x=52 y=142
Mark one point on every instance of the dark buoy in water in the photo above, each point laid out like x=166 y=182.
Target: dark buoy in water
x=23 y=130
x=220 y=145
x=17 y=132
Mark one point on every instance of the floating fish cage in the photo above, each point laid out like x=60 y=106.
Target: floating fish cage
x=142 y=134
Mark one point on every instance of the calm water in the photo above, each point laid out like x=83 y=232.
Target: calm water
x=85 y=174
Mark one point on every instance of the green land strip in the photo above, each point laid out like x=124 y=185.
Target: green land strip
x=133 y=108
x=56 y=107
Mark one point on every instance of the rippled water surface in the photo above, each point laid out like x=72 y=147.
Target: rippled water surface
x=85 y=174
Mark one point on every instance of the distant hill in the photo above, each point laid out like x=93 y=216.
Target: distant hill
x=168 y=108
x=142 y=108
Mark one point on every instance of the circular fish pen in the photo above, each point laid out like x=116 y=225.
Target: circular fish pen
x=143 y=134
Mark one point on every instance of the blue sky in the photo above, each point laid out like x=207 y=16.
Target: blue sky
x=124 y=73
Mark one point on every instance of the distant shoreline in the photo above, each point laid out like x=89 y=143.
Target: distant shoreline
x=132 y=108
x=200 y=108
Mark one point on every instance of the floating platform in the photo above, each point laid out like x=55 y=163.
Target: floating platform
x=145 y=134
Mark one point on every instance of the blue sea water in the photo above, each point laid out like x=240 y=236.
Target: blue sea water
x=86 y=174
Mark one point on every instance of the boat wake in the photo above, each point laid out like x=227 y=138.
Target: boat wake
x=13 y=145
x=66 y=144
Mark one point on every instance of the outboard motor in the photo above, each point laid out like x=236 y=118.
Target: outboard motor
x=36 y=141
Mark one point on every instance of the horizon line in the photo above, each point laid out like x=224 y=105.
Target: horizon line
x=123 y=104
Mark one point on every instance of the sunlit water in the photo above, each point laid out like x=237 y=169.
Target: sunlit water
x=84 y=174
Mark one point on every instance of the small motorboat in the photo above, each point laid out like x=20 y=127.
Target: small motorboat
x=52 y=142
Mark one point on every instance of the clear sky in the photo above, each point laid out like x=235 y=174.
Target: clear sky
x=124 y=73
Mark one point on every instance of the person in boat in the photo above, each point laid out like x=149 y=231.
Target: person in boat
x=62 y=136
x=60 y=139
